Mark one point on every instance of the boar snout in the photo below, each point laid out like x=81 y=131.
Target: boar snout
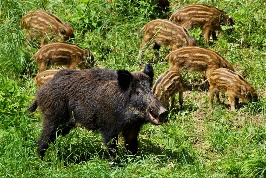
x=163 y=114
x=67 y=32
x=253 y=97
x=157 y=115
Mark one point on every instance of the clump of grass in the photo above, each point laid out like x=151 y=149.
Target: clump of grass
x=256 y=167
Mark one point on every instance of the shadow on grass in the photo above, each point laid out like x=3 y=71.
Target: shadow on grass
x=182 y=155
x=252 y=107
x=81 y=151
x=148 y=150
x=185 y=109
x=85 y=151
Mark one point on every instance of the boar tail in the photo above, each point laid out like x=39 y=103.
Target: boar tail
x=32 y=57
x=143 y=29
x=167 y=57
x=33 y=106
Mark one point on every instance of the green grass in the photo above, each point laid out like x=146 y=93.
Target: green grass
x=195 y=142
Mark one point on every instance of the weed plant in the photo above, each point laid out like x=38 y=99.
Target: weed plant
x=195 y=142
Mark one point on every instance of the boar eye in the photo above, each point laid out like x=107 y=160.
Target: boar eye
x=63 y=32
x=138 y=92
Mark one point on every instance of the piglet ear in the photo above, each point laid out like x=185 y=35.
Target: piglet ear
x=149 y=71
x=124 y=79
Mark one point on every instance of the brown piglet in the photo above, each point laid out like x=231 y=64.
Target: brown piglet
x=63 y=54
x=42 y=27
x=167 y=86
x=198 y=59
x=208 y=18
x=45 y=76
x=233 y=85
x=166 y=33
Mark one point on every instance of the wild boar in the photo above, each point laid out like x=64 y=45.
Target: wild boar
x=167 y=33
x=233 y=85
x=208 y=18
x=197 y=59
x=42 y=27
x=111 y=102
x=166 y=86
x=60 y=53
x=45 y=76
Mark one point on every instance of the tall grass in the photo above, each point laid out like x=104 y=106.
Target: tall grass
x=194 y=143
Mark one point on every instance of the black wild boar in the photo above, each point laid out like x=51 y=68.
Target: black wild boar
x=67 y=54
x=41 y=27
x=208 y=18
x=111 y=102
x=235 y=87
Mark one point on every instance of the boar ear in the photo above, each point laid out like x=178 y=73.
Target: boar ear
x=124 y=79
x=149 y=71
x=86 y=51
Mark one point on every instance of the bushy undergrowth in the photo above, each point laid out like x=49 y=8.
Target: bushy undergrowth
x=195 y=142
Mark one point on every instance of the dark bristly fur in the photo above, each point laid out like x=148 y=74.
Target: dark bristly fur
x=208 y=18
x=63 y=54
x=42 y=27
x=235 y=87
x=111 y=102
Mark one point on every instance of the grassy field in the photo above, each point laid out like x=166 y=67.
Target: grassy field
x=194 y=143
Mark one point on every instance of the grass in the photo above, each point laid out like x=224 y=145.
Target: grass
x=195 y=142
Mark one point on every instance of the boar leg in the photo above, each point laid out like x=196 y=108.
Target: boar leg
x=48 y=136
x=50 y=130
x=217 y=97
x=207 y=34
x=214 y=36
x=212 y=92
x=172 y=102
x=66 y=128
x=232 y=101
x=237 y=101
x=180 y=97
x=165 y=100
x=42 y=66
x=111 y=144
x=131 y=137
x=156 y=48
